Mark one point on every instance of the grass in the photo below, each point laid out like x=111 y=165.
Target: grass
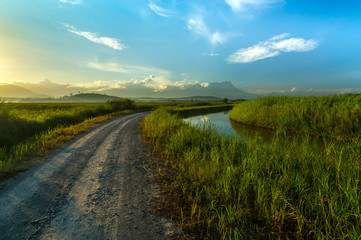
x=24 y=155
x=335 y=115
x=193 y=110
x=28 y=130
x=33 y=128
x=223 y=188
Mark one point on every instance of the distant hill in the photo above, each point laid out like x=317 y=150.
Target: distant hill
x=87 y=97
x=82 y=97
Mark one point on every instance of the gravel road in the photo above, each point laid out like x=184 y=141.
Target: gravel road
x=96 y=187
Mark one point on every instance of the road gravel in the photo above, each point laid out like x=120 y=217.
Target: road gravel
x=97 y=186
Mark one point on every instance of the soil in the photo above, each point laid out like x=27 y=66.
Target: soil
x=98 y=186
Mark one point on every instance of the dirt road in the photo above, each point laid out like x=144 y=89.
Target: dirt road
x=96 y=187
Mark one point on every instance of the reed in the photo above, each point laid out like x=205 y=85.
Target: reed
x=224 y=188
x=335 y=115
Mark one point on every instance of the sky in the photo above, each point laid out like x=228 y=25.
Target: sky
x=258 y=45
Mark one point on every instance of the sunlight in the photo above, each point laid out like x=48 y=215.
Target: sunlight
x=2 y=71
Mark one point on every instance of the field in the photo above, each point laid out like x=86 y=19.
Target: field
x=219 y=187
x=29 y=130
x=222 y=188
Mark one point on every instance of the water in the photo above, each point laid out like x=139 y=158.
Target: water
x=224 y=125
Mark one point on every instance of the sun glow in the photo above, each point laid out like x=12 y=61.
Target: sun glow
x=2 y=71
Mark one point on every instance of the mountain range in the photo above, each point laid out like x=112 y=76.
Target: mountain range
x=149 y=88
x=46 y=89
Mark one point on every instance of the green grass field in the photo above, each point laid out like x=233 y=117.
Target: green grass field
x=31 y=129
x=337 y=116
x=224 y=188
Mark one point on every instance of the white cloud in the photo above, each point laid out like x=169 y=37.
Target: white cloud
x=97 y=85
x=156 y=83
x=271 y=48
x=251 y=54
x=187 y=79
x=125 y=68
x=243 y=5
x=197 y=26
x=279 y=36
x=296 y=45
x=211 y=54
x=93 y=37
x=218 y=38
x=132 y=71
x=107 y=67
x=74 y=2
x=159 y=10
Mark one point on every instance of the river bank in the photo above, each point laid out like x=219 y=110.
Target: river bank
x=220 y=187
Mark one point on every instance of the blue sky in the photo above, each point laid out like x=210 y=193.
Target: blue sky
x=258 y=45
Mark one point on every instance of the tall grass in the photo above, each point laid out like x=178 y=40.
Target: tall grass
x=223 y=188
x=338 y=116
x=21 y=121
x=29 y=128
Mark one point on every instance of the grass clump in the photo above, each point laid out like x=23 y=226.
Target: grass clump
x=335 y=115
x=223 y=188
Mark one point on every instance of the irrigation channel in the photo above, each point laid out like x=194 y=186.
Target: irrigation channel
x=226 y=126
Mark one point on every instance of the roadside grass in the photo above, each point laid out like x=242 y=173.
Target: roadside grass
x=338 y=116
x=223 y=188
x=24 y=155
x=29 y=130
x=19 y=122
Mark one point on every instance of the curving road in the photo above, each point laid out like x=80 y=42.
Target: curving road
x=96 y=187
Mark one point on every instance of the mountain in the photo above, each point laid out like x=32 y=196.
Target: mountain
x=184 y=99
x=148 y=87
x=48 y=88
x=217 y=89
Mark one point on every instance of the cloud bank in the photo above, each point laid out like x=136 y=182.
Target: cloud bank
x=271 y=48
x=93 y=37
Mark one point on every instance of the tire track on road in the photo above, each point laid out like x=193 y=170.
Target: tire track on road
x=93 y=188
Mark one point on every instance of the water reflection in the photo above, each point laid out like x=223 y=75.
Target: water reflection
x=266 y=136
x=246 y=131
x=224 y=125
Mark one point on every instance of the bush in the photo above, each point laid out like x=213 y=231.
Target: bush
x=121 y=104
